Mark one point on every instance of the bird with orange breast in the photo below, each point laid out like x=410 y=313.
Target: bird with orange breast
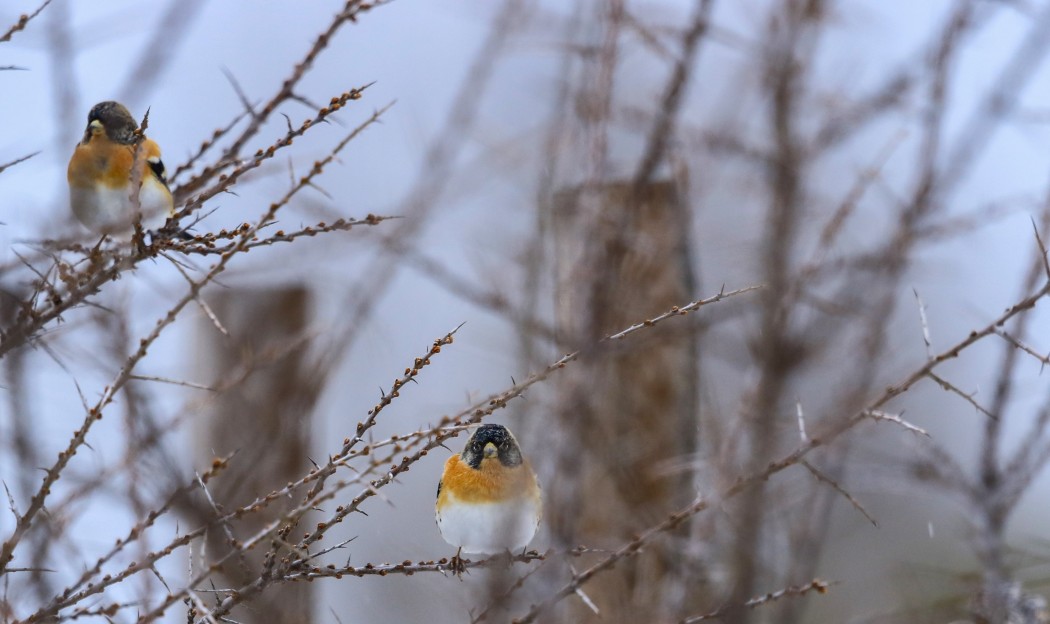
x=100 y=174
x=488 y=499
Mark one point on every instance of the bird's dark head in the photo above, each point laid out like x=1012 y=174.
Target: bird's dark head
x=113 y=119
x=492 y=442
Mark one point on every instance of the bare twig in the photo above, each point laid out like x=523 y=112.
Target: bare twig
x=22 y=22
x=817 y=585
x=16 y=161
x=838 y=488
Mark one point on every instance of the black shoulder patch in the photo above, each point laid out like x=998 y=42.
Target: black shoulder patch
x=157 y=167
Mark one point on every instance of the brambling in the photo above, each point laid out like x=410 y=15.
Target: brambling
x=488 y=499
x=100 y=173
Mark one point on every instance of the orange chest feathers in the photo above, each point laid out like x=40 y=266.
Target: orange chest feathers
x=491 y=482
x=107 y=163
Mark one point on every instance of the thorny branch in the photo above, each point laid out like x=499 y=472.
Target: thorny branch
x=821 y=438
x=350 y=12
x=105 y=266
x=94 y=277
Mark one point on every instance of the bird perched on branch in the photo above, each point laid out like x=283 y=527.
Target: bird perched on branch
x=488 y=499
x=105 y=164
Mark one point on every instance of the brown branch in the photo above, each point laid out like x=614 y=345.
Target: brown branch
x=792 y=458
x=204 y=244
x=205 y=146
x=949 y=387
x=350 y=12
x=262 y=155
x=674 y=94
x=408 y=568
x=436 y=437
x=72 y=594
x=22 y=22
x=17 y=160
x=823 y=478
x=817 y=585
x=95 y=413
x=104 y=267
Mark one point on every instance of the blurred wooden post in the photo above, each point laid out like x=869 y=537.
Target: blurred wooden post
x=264 y=415
x=629 y=410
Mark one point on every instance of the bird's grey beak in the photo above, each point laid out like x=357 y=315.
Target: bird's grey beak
x=491 y=450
